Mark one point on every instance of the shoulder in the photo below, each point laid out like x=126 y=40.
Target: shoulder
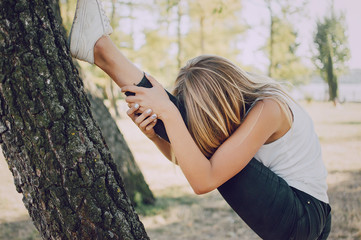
x=267 y=108
x=272 y=117
x=266 y=115
x=260 y=124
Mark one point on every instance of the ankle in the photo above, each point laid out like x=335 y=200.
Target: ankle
x=100 y=49
x=101 y=43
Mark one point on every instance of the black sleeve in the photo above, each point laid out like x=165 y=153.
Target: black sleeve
x=159 y=127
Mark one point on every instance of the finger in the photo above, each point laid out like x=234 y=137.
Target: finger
x=147 y=121
x=132 y=99
x=141 y=109
x=143 y=116
x=131 y=88
x=132 y=116
x=133 y=109
x=151 y=125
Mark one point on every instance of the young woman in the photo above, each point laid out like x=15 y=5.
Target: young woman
x=219 y=119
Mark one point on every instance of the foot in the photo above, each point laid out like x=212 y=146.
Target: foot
x=90 y=23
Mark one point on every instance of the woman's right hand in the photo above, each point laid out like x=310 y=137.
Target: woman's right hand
x=144 y=119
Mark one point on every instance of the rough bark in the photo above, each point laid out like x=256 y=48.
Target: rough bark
x=50 y=140
x=135 y=185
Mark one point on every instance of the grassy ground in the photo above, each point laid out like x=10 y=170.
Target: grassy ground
x=179 y=214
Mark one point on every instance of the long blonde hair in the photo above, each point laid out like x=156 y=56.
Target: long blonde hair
x=217 y=95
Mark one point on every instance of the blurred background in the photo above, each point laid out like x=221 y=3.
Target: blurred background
x=288 y=40
x=312 y=45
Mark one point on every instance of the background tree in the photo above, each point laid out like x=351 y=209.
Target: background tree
x=110 y=90
x=50 y=140
x=146 y=40
x=282 y=45
x=331 y=50
x=285 y=64
x=215 y=29
x=183 y=29
x=136 y=187
x=172 y=15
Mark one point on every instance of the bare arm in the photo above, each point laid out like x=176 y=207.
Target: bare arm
x=262 y=122
x=232 y=156
x=165 y=147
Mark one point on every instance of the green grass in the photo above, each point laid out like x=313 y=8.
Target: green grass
x=165 y=200
x=19 y=230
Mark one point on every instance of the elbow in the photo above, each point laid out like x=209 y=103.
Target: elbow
x=203 y=185
x=200 y=190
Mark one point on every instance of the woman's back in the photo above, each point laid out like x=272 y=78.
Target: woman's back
x=296 y=156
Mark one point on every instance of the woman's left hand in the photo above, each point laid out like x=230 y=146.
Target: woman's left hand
x=154 y=98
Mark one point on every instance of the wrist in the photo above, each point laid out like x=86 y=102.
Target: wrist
x=154 y=138
x=170 y=112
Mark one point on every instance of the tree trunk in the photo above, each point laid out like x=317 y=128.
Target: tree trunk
x=332 y=81
x=272 y=18
x=179 y=34
x=112 y=98
x=135 y=185
x=201 y=30
x=137 y=188
x=51 y=142
x=330 y=73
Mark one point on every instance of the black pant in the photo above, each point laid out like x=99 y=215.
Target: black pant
x=269 y=206
x=272 y=208
x=159 y=127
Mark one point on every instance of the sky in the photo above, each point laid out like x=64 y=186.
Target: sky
x=256 y=15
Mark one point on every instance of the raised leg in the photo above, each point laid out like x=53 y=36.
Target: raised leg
x=109 y=58
x=89 y=42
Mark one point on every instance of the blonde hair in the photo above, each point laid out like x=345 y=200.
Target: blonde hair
x=217 y=95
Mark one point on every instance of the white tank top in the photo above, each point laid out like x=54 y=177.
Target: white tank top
x=296 y=156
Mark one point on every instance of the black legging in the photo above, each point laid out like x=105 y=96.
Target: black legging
x=159 y=127
x=269 y=206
